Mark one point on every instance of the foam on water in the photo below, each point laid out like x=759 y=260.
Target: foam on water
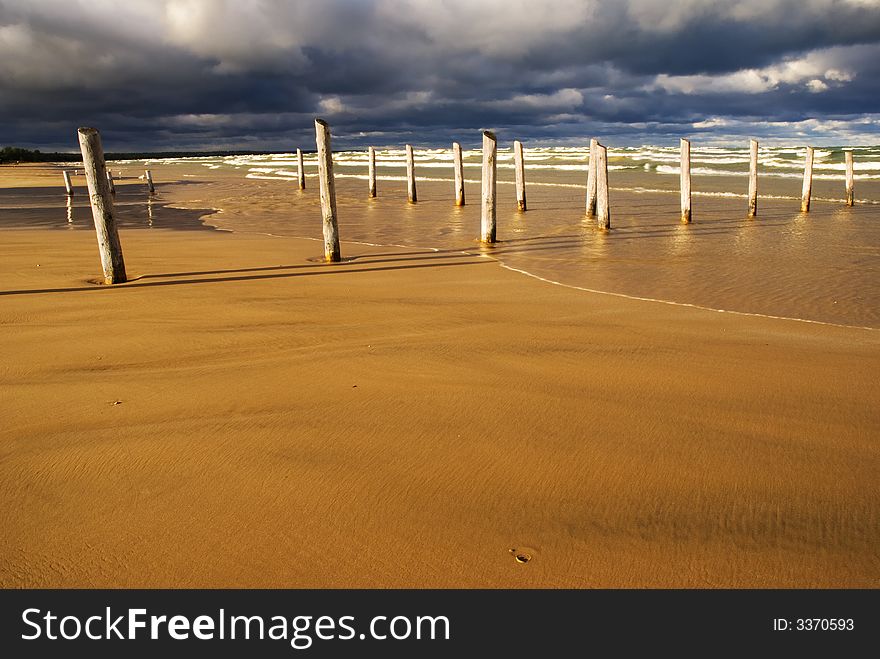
x=782 y=162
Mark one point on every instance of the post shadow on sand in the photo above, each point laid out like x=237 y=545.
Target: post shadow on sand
x=318 y=269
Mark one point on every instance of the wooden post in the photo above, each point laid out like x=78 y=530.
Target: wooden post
x=753 y=178
x=328 y=191
x=487 y=212
x=68 y=186
x=848 y=156
x=410 y=175
x=459 y=174
x=591 y=180
x=603 y=208
x=111 y=183
x=149 y=176
x=300 y=170
x=520 y=168
x=372 y=168
x=808 y=181
x=102 y=206
x=685 y=181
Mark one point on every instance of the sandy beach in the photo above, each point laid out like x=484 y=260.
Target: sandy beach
x=242 y=415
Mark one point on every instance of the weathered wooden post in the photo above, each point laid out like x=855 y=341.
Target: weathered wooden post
x=102 y=206
x=753 y=178
x=372 y=171
x=300 y=170
x=808 y=181
x=591 y=180
x=111 y=183
x=410 y=175
x=149 y=176
x=487 y=212
x=848 y=157
x=328 y=191
x=459 y=174
x=68 y=186
x=603 y=207
x=519 y=166
x=685 y=181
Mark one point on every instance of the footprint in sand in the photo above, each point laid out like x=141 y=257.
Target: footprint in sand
x=522 y=554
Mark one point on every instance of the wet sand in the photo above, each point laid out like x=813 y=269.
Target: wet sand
x=241 y=415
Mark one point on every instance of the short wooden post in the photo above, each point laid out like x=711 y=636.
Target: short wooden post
x=753 y=178
x=487 y=212
x=459 y=174
x=808 y=181
x=848 y=157
x=410 y=175
x=149 y=176
x=685 y=181
x=328 y=191
x=372 y=171
x=300 y=170
x=519 y=166
x=603 y=207
x=111 y=183
x=68 y=186
x=591 y=180
x=102 y=206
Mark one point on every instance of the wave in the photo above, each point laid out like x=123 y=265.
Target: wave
x=708 y=171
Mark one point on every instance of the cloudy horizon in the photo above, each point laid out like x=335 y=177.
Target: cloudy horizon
x=252 y=75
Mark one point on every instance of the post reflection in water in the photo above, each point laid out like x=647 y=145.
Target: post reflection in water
x=745 y=235
x=682 y=239
x=149 y=212
x=69 y=212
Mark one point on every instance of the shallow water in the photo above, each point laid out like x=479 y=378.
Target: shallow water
x=821 y=266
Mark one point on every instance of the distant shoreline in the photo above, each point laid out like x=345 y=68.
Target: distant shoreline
x=12 y=155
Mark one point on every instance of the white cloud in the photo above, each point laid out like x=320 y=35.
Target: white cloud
x=713 y=122
x=331 y=105
x=815 y=70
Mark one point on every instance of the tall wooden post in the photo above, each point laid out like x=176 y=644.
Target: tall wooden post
x=603 y=206
x=753 y=178
x=68 y=186
x=848 y=156
x=111 y=183
x=685 y=181
x=487 y=211
x=591 y=180
x=149 y=176
x=808 y=181
x=459 y=174
x=102 y=206
x=300 y=170
x=328 y=191
x=372 y=171
x=519 y=166
x=410 y=175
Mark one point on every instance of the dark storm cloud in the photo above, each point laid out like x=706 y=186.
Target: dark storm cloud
x=252 y=74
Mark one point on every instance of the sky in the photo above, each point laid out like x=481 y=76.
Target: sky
x=157 y=75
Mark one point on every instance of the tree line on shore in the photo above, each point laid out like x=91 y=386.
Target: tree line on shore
x=14 y=154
